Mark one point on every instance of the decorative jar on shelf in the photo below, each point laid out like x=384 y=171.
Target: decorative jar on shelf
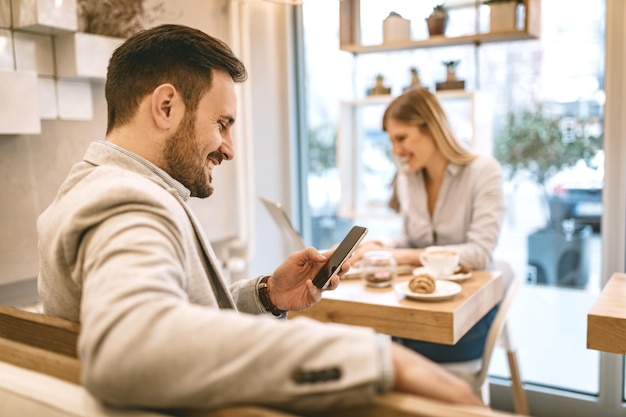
x=396 y=28
x=503 y=15
x=415 y=80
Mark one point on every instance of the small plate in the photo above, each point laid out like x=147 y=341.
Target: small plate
x=458 y=277
x=443 y=290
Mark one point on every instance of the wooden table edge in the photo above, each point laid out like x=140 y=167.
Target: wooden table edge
x=606 y=320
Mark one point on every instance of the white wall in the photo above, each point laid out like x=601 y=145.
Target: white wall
x=269 y=65
x=31 y=169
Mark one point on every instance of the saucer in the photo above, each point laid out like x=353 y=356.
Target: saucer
x=443 y=291
x=458 y=277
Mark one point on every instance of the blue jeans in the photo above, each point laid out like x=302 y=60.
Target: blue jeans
x=469 y=347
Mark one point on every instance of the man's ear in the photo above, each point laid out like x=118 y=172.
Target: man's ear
x=166 y=106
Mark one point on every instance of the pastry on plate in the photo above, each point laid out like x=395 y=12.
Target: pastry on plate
x=422 y=284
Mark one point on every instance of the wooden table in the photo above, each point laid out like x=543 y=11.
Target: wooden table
x=606 y=321
x=390 y=313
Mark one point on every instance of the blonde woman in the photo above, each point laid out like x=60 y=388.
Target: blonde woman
x=447 y=196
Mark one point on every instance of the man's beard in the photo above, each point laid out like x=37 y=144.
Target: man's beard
x=185 y=162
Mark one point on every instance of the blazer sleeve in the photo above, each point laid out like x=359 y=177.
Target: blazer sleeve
x=144 y=344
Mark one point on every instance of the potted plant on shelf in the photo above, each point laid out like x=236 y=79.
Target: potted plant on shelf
x=451 y=82
x=379 y=87
x=102 y=27
x=437 y=21
x=533 y=143
x=451 y=69
x=118 y=19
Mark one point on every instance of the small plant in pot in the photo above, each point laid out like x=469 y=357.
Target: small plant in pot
x=451 y=82
x=437 y=21
x=451 y=69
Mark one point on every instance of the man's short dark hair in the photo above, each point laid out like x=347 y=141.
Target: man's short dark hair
x=182 y=56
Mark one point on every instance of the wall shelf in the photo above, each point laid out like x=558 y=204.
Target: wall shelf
x=51 y=73
x=440 y=41
x=350 y=32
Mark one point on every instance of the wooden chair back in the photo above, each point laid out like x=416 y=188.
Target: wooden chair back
x=38 y=330
x=498 y=335
x=40 y=343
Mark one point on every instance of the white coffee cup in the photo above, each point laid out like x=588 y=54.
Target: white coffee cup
x=440 y=261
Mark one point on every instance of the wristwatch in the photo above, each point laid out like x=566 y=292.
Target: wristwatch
x=264 y=297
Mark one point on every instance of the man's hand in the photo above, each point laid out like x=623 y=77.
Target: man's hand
x=291 y=286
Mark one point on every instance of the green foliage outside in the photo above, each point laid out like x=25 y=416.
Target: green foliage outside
x=322 y=148
x=541 y=145
x=533 y=141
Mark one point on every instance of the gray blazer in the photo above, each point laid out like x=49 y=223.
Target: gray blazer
x=121 y=252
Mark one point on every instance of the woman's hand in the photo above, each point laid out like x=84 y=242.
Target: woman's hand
x=403 y=256
x=366 y=246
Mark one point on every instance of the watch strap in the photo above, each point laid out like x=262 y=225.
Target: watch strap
x=264 y=297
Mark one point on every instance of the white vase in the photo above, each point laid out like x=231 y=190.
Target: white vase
x=396 y=29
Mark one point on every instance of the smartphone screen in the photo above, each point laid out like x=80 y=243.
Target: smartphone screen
x=339 y=256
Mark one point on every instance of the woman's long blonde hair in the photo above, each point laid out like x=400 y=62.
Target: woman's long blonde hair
x=419 y=107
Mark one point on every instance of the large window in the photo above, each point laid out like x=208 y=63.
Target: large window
x=552 y=230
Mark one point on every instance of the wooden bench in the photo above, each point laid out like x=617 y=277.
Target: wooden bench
x=38 y=347
x=40 y=343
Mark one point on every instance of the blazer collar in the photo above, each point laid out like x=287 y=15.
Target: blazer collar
x=107 y=153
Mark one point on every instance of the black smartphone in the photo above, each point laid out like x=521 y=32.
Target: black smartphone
x=339 y=256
